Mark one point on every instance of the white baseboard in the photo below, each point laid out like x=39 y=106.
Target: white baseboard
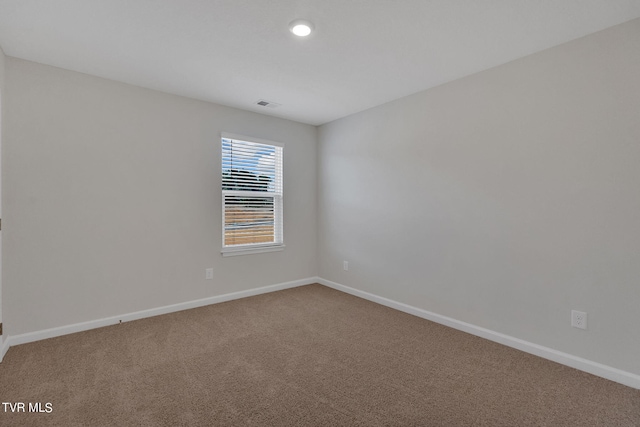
x=4 y=347
x=10 y=341
x=595 y=368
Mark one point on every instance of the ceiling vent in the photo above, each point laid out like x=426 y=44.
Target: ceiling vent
x=267 y=104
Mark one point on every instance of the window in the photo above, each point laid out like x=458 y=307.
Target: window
x=251 y=195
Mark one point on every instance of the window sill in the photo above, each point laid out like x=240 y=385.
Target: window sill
x=251 y=250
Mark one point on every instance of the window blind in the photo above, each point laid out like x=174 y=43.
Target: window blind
x=252 y=193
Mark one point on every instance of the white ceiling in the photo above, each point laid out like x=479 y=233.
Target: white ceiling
x=235 y=52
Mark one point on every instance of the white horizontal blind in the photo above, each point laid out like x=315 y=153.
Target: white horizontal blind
x=251 y=193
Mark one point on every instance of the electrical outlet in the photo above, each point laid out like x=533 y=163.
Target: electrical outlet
x=345 y=265
x=208 y=274
x=579 y=319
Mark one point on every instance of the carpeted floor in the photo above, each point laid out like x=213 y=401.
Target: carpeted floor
x=308 y=356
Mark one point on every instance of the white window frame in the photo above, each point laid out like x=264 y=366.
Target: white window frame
x=278 y=204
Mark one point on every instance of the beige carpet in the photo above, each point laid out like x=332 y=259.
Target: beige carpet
x=308 y=356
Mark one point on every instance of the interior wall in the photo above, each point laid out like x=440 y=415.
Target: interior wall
x=113 y=201
x=505 y=199
x=2 y=66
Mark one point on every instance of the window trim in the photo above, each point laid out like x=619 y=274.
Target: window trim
x=252 y=250
x=258 y=247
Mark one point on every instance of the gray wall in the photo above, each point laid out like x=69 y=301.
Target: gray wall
x=113 y=203
x=2 y=66
x=504 y=199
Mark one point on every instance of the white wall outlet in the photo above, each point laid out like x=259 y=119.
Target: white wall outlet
x=579 y=319
x=345 y=265
x=208 y=273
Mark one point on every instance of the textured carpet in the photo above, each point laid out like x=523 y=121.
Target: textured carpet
x=309 y=356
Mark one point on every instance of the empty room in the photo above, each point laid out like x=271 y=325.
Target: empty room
x=320 y=213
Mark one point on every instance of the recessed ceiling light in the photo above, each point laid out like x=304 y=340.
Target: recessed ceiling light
x=301 y=27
